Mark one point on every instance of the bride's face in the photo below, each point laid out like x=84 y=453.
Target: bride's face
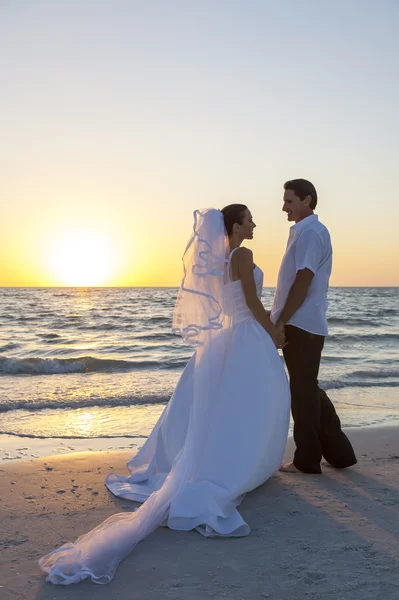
x=246 y=229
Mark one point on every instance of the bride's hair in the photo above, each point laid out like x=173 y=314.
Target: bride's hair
x=233 y=213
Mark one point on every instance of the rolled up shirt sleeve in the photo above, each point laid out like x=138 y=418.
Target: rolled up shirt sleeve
x=308 y=251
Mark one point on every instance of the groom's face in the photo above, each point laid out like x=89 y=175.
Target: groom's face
x=295 y=208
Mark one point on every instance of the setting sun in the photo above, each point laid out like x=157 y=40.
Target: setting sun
x=82 y=258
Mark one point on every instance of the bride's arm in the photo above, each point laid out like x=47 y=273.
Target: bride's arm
x=245 y=265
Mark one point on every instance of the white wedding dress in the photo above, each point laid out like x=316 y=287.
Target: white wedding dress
x=201 y=459
x=248 y=429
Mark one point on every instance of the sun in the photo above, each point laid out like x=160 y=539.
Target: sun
x=82 y=258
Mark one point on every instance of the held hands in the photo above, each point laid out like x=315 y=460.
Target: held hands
x=279 y=336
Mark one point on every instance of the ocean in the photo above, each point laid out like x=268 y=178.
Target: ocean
x=102 y=362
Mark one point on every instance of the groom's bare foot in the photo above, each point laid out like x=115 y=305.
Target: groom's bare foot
x=289 y=468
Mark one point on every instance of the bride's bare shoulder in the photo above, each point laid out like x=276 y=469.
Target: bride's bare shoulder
x=243 y=255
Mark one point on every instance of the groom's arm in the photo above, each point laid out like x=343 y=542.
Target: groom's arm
x=308 y=255
x=296 y=296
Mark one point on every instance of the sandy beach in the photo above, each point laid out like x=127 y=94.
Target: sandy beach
x=330 y=536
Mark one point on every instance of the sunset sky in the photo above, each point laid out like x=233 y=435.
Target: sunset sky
x=119 y=118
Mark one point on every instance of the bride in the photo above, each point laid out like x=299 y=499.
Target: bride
x=223 y=433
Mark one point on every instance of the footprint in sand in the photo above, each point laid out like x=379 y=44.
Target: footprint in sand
x=314 y=578
x=16 y=542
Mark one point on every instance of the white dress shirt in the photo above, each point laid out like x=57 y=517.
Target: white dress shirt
x=308 y=247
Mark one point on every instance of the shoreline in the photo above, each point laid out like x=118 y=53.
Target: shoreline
x=16 y=447
x=329 y=536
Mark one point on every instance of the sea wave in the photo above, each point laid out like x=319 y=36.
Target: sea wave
x=157 y=336
x=83 y=364
x=379 y=363
x=162 y=398
x=38 y=405
x=367 y=337
x=375 y=374
x=10 y=346
x=337 y=385
x=70 y=437
x=350 y=321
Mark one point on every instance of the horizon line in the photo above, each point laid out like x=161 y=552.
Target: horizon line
x=98 y=287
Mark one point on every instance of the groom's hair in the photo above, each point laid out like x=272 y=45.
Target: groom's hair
x=233 y=213
x=303 y=188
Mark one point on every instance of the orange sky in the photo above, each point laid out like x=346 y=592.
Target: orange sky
x=117 y=124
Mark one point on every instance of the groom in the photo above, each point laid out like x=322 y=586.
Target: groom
x=299 y=309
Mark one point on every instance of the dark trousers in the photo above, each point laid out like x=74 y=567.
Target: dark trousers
x=317 y=428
